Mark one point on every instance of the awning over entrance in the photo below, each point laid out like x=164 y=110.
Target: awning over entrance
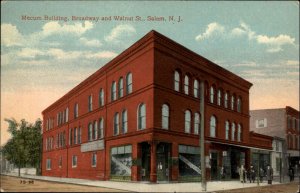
x=243 y=146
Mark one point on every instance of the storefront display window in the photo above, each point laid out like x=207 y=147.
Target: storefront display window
x=121 y=160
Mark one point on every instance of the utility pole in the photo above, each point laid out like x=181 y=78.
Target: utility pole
x=202 y=138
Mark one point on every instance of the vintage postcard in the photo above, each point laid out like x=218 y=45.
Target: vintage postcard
x=150 y=96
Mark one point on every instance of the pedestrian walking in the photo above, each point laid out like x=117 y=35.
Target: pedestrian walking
x=252 y=174
x=242 y=173
x=291 y=173
x=269 y=174
x=261 y=174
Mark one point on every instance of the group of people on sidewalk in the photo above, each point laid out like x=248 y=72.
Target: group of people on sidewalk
x=251 y=174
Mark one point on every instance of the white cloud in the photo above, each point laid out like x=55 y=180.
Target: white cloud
x=29 y=53
x=54 y=27
x=61 y=54
x=275 y=43
x=103 y=54
x=35 y=62
x=246 y=64
x=10 y=35
x=90 y=43
x=212 y=28
x=119 y=32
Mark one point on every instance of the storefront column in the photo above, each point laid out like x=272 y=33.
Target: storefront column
x=135 y=168
x=153 y=174
x=175 y=162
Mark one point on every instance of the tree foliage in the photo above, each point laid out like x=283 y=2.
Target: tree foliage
x=25 y=146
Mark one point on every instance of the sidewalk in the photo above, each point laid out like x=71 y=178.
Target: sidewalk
x=148 y=187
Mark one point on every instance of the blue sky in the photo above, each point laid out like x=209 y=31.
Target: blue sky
x=42 y=59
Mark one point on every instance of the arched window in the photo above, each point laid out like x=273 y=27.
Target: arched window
x=95 y=131
x=101 y=129
x=176 y=81
x=233 y=131
x=113 y=91
x=165 y=116
x=124 y=121
x=212 y=94
x=186 y=84
x=219 y=97
x=232 y=102
x=142 y=116
x=213 y=124
x=90 y=131
x=129 y=83
x=226 y=100
x=187 y=127
x=239 y=134
x=196 y=88
x=227 y=130
x=239 y=105
x=121 y=88
x=101 y=97
x=197 y=123
x=116 y=124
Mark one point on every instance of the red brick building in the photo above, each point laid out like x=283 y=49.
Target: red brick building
x=138 y=118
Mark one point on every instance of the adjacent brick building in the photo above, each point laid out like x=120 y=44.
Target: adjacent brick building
x=283 y=123
x=138 y=118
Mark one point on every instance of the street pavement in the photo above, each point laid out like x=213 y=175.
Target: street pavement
x=150 y=187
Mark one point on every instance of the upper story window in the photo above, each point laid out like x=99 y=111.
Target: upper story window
x=79 y=135
x=219 y=97
x=129 y=83
x=186 y=84
x=197 y=123
x=239 y=105
x=95 y=131
x=90 y=132
x=188 y=119
x=196 y=88
x=165 y=116
x=227 y=130
x=239 y=134
x=213 y=125
x=177 y=81
x=101 y=129
x=212 y=94
x=226 y=100
x=116 y=124
x=124 y=121
x=232 y=102
x=121 y=88
x=75 y=135
x=260 y=123
x=67 y=114
x=142 y=116
x=90 y=103
x=113 y=91
x=233 y=131
x=75 y=110
x=101 y=98
x=70 y=136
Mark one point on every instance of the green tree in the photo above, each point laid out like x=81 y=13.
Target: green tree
x=25 y=146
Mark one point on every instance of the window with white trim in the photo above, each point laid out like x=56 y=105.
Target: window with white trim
x=75 y=110
x=95 y=130
x=129 y=83
x=239 y=105
x=197 y=123
x=233 y=131
x=94 y=159
x=142 y=116
x=226 y=100
x=90 y=132
x=212 y=94
x=121 y=88
x=186 y=84
x=101 y=98
x=219 y=97
x=213 y=124
x=239 y=134
x=227 y=130
x=232 y=102
x=48 y=164
x=124 y=122
x=165 y=116
x=101 y=129
x=196 y=88
x=113 y=91
x=188 y=120
x=176 y=81
x=116 y=124
x=90 y=101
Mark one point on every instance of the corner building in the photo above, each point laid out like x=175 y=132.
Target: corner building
x=138 y=118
